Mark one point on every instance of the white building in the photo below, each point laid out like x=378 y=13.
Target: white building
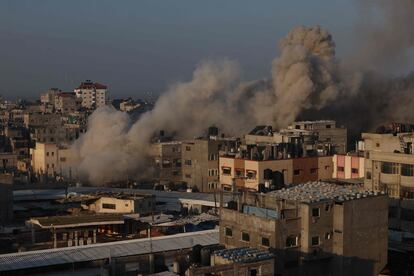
x=50 y=159
x=93 y=95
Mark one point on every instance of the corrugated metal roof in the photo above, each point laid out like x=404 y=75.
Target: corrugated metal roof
x=41 y=258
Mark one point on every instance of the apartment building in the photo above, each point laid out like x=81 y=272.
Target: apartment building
x=314 y=228
x=166 y=157
x=389 y=167
x=66 y=102
x=326 y=131
x=92 y=94
x=51 y=159
x=244 y=173
x=348 y=166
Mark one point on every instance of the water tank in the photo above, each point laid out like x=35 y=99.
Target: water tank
x=262 y=188
x=213 y=131
x=267 y=174
x=278 y=180
x=206 y=253
x=232 y=205
x=195 y=254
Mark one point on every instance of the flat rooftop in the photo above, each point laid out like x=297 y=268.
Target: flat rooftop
x=244 y=254
x=322 y=191
x=77 y=221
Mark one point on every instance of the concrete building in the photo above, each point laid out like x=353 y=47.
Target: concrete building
x=50 y=159
x=314 y=229
x=389 y=167
x=141 y=204
x=93 y=95
x=66 y=102
x=348 y=166
x=249 y=174
x=167 y=163
x=326 y=132
x=237 y=261
x=200 y=162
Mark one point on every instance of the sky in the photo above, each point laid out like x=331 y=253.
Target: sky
x=138 y=47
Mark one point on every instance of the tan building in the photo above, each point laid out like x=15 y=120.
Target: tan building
x=326 y=132
x=248 y=174
x=141 y=204
x=166 y=158
x=237 y=261
x=200 y=163
x=93 y=95
x=389 y=167
x=50 y=159
x=314 y=229
x=66 y=102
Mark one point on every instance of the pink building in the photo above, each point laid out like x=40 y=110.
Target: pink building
x=348 y=166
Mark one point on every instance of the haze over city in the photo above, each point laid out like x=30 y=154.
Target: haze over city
x=207 y=138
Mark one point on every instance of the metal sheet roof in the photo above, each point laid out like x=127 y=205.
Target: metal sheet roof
x=41 y=258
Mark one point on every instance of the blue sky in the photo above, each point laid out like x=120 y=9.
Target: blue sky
x=138 y=46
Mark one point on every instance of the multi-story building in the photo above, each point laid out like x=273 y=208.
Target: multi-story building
x=314 y=228
x=326 y=133
x=66 y=102
x=166 y=158
x=200 y=163
x=348 y=166
x=245 y=173
x=389 y=167
x=50 y=159
x=92 y=94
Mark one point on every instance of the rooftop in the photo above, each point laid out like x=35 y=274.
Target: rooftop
x=78 y=220
x=71 y=255
x=244 y=254
x=321 y=191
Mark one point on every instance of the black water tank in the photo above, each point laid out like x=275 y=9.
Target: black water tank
x=213 y=131
x=206 y=253
x=268 y=174
x=278 y=180
x=262 y=188
x=195 y=254
x=232 y=205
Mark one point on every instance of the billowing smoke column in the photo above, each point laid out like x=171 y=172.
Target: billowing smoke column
x=306 y=81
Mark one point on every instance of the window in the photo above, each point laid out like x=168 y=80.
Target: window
x=313 y=170
x=328 y=235
x=407 y=170
x=226 y=170
x=253 y=272
x=354 y=170
x=187 y=175
x=368 y=176
x=245 y=236
x=328 y=126
x=265 y=241
x=251 y=174
x=341 y=169
x=315 y=240
x=327 y=207
x=389 y=168
x=228 y=232
x=212 y=157
x=187 y=162
x=47 y=153
x=315 y=212
x=377 y=145
x=296 y=172
x=188 y=148
x=292 y=241
x=53 y=153
x=108 y=206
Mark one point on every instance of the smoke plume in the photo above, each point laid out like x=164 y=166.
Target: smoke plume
x=307 y=82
